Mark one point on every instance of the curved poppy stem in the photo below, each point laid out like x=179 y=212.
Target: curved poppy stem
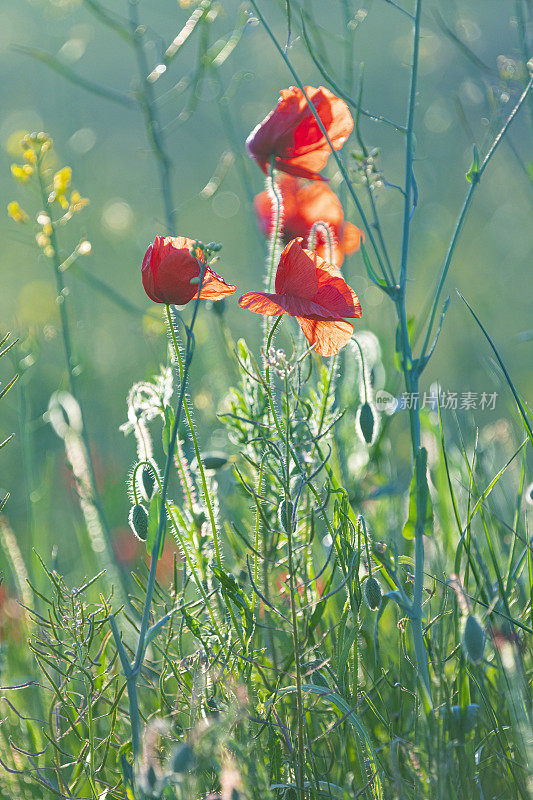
x=326 y=230
x=277 y=220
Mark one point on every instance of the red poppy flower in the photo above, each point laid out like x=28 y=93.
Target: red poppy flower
x=303 y=205
x=291 y=135
x=314 y=292
x=169 y=265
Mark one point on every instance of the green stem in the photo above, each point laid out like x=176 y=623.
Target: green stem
x=276 y=230
x=194 y=438
x=462 y=215
x=294 y=617
x=151 y=115
x=411 y=375
x=67 y=343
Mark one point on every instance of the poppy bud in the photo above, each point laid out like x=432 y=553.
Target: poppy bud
x=372 y=593
x=285 y=511
x=147 y=482
x=139 y=521
x=473 y=639
x=366 y=423
x=182 y=758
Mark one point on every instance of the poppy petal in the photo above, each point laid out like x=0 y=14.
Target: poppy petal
x=261 y=303
x=296 y=274
x=214 y=287
x=328 y=336
x=351 y=238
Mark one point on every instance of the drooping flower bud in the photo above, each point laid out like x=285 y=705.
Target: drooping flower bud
x=139 y=521
x=182 y=758
x=372 y=593
x=366 y=423
x=473 y=640
x=147 y=482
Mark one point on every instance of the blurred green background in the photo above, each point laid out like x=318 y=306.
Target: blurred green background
x=471 y=74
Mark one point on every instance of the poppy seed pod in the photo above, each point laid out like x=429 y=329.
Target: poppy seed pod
x=372 y=593
x=473 y=639
x=285 y=511
x=139 y=521
x=366 y=422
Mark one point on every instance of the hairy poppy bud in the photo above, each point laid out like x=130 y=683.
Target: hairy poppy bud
x=147 y=482
x=285 y=510
x=182 y=758
x=366 y=422
x=139 y=521
x=372 y=593
x=473 y=639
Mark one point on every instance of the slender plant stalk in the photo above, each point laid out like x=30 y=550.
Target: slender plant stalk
x=55 y=258
x=292 y=590
x=194 y=438
x=153 y=127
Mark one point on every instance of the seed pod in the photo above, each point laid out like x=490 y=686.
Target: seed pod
x=147 y=482
x=372 y=593
x=182 y=758
x=366 y=423
x=139 y=521
x=473 y=639
x=285 y=510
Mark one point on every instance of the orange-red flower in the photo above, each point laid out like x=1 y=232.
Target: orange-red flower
x=291 y=136
x=303 y=205
x=169 y=266
x=314 y=292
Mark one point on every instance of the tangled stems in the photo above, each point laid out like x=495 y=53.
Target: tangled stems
x=132 y=671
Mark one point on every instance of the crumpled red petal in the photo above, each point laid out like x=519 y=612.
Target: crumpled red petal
x=327 y=336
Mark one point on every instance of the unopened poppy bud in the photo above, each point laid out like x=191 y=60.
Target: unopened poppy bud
x=150 y=780
x=372 y=593
x=473 y=639
x=285 y=512
x=147 y=482
x=139 y=521
x=366 y=423
x=182 y=758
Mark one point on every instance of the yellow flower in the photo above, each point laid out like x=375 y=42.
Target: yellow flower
x=30 y=156
x=16 y=212
x=21 y=174
x=62 y=180
x=77 y=202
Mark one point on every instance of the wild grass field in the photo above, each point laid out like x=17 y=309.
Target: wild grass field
x=265 y=433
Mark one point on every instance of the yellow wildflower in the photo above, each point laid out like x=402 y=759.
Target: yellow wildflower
x=21 y=174
x=16 y=212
